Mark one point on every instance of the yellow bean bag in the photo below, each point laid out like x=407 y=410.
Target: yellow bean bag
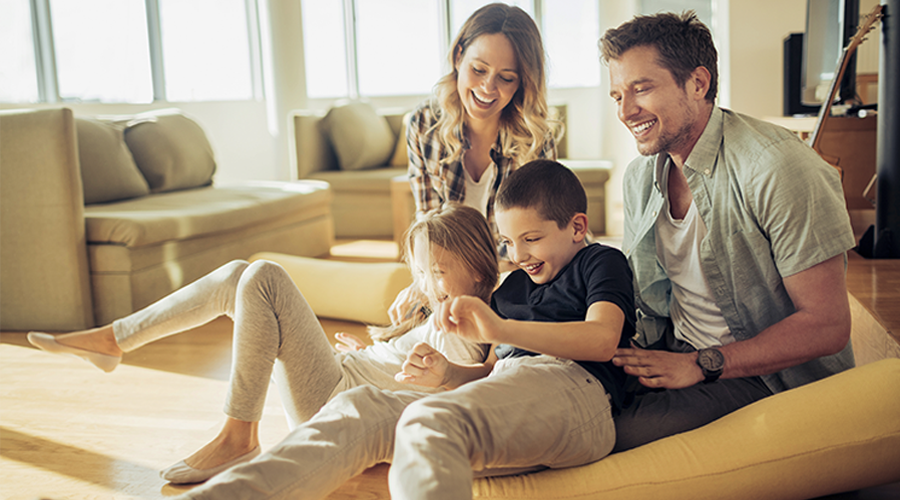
x=352 y=291
x=838 y=434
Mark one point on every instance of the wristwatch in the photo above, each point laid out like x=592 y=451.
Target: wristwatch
x=711 y=362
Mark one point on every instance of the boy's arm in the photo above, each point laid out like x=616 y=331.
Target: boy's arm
x=594 y=339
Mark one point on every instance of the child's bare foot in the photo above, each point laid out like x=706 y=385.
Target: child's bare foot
x=237 y=442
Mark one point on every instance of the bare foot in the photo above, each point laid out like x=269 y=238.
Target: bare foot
x=99 y=339
x=237 y=438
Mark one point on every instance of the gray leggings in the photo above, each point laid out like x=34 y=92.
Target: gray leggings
x=274 y=327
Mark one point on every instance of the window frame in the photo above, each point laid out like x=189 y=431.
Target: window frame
x=45 y=53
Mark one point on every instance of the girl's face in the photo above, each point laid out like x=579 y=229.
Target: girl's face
x=488 y=76
x=441 y=273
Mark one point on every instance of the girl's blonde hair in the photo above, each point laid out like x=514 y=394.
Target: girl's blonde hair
x=463 y=232
x=524 y=122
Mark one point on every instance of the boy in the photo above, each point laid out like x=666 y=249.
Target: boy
x=569 y=300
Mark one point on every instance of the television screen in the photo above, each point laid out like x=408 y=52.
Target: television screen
x=830 y=24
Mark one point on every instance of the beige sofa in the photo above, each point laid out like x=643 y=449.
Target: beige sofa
x=102 y=217
x=361 y=152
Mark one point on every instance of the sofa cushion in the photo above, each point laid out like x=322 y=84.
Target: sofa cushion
x=361 y=138
x=367 y=181
x=400 y=156
x=171 y=150
x=198 y=212
x=108 y=172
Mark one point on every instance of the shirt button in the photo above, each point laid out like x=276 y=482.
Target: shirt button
x=654 y=213
x=706 y=171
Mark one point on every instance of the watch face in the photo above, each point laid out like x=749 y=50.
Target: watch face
x=711 y=359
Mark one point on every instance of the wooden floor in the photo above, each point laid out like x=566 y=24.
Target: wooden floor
x=70 y=431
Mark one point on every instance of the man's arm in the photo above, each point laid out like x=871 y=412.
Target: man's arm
x=594 y=339
x=820 y=326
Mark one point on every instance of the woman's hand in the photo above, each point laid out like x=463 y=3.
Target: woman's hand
x=348 y=342
x=424 y=366
x=407 y=303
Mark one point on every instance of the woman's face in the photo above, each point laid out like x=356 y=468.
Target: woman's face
x=441 y=273
x=488 y=76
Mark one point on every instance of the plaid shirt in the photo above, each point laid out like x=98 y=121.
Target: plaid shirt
x=435 y=181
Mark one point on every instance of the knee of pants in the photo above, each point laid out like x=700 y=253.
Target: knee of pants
x=233 y=270
x=446 y=417
x=264 y=271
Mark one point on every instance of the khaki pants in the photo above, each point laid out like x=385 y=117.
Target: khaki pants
x=530 y=413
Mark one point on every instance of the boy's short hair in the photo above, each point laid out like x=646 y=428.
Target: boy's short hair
x=681 y=40
x=547 y=186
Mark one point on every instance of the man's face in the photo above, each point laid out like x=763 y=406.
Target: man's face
x=659 y=112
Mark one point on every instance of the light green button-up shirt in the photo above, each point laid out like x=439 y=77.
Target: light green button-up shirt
x=773 y=208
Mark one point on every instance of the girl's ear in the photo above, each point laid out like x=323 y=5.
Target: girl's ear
x=579 y=225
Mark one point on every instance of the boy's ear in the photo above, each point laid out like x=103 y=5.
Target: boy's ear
x=579 y=225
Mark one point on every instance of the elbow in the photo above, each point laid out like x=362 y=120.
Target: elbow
x=837 y=334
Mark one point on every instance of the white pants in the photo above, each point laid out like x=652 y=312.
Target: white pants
x=530 y=413
x=274 y=330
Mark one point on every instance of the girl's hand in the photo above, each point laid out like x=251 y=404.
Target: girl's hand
x=407 y=303
x=348 y=342
x=424 y=366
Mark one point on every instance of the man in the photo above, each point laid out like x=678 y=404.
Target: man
x=736 y=232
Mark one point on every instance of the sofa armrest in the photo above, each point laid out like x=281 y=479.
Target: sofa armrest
x=44 y=275
x=310 y=149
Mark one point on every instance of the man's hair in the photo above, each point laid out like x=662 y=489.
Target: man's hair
x=547 y=186
x=681 y=40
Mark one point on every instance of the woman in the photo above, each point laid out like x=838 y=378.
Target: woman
x=489 y=116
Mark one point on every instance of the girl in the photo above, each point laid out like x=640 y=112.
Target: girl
x=489 y=116
x=275 y=328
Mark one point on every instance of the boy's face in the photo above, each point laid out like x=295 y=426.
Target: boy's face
x=538 y=245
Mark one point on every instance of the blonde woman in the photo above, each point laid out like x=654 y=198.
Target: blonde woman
x=489 y=115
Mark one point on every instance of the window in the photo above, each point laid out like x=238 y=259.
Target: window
x=130 y=51
x=206 y=50
x=399 y=48
x=101 y=50
x=18 y=67
x=379 y=48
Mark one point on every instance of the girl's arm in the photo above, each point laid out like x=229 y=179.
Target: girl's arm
x=426 y=366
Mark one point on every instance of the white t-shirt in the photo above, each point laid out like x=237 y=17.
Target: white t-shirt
x=378 y=363
x=695 y=315
x=477 y=193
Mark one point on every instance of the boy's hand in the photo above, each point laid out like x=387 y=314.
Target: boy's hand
x=470 y=318
x=660 y=369
x=348 y=342
x=424 y=366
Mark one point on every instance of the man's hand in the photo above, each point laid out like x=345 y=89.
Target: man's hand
x=470 y=318
x=348 y=342
x=424 y=366
x=660 y=369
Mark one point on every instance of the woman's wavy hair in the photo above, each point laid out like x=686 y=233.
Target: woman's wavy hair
x=463 y=232
x=525 y=124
